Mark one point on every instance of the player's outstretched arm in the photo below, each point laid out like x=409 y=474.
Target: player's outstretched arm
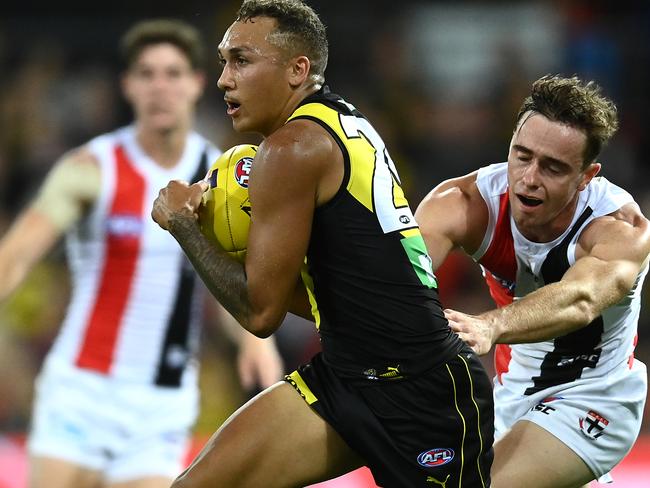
x=69 y=188
x=610 y=254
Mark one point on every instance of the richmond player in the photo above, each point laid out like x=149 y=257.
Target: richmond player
x=392 y=388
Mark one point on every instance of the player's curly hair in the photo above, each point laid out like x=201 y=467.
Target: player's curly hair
x=157 y=31
x=299 y=30
x=577 y=104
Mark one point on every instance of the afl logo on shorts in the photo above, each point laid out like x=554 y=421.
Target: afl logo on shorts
x=435 y=457
x=242 y=171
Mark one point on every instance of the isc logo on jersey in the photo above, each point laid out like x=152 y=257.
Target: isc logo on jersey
x=435 y=457
x=124 y=225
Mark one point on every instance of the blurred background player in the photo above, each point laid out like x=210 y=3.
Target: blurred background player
x=564 y=253
x=118 y=395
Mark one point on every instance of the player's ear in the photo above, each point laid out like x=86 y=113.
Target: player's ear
x=125 y=85
x=588 y=174
x=198 y=84
x=299 y=68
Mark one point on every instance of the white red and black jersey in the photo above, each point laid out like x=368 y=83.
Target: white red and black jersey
x=134 y=309
x=513 y=266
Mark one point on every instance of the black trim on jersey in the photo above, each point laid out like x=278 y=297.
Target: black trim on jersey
x=557 y=262
x=325 y=97
x=574 y=351
x=170 y=368
x=175 y=351
x=202 y=168
x=344 y=151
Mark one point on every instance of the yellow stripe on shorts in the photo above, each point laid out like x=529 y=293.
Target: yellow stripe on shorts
x=295 y=380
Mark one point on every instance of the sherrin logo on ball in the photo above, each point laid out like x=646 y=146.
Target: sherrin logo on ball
x=224 y=214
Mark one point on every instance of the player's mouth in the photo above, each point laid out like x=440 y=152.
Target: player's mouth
x=232 y=107
x=528 y=201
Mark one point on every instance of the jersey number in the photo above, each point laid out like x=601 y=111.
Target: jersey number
x=390 y=204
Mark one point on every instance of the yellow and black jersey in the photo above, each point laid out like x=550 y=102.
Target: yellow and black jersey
x=369 y=276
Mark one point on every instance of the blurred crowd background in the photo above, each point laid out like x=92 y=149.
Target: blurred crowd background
x=441 y=81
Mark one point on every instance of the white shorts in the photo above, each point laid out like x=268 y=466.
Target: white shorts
x=599 y=418
x=125 y=430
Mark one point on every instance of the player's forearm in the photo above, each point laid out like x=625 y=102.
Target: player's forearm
x=223 y=276
x=12 y=276
x=552 y=311
x=26 y=242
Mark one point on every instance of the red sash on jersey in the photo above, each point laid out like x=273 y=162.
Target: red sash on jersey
x=122 y=250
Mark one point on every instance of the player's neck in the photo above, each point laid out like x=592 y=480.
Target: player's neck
x=165 y=148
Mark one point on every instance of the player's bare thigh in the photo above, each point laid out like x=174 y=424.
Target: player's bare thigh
x=47 y=472
x=275 y=440
x=529 y=456
x=148 y=482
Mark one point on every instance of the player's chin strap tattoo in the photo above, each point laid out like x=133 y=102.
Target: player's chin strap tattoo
x=224 y=277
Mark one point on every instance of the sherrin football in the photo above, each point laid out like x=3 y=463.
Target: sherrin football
x=224 y=214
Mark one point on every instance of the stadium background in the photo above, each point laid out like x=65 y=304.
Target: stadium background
x=441 y=81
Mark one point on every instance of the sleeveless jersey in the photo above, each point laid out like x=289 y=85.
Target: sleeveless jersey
x=133 y=313
x=369 y=275
x=513 y=266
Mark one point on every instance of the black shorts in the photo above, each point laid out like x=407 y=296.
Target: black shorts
x=434 y=429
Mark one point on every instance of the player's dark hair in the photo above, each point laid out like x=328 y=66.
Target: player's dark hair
x=158 y=31
x=299 y=30
x=577 y=104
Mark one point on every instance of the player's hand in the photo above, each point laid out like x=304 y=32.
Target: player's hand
x=258 y=362
x=472 y=329
x=178 y=199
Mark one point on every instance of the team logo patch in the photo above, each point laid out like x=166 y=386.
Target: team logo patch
x=243 y=170
x=593 y=425
x=435 y=457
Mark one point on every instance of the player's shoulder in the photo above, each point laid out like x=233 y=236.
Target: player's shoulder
x=457 y=191
x=628 y=216
x=302 y=142
x=613 y=206
x=626 y=225
x=81 y=157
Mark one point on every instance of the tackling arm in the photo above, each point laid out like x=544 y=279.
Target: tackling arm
x=611 y=253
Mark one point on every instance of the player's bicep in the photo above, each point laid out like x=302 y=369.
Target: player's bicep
x=282 y=211
x=611 y=264
x=447 y=220
x=434 y=232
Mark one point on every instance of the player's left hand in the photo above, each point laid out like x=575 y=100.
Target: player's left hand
x=472 y=329
x=177 y=199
